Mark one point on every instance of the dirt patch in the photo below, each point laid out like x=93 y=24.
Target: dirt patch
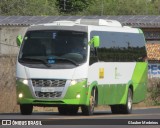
x=7 y=84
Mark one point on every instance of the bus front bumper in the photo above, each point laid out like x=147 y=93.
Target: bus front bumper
x=75 y=95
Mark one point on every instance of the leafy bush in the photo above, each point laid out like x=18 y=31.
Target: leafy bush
x=153 y=91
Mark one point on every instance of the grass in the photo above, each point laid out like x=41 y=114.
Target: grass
x=8 y=89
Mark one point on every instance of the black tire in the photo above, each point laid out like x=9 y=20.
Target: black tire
x=89 y=110
x=127 y=109
x=26 y=109
x=68 y=110
x=124 y=109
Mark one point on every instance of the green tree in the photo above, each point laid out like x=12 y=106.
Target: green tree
x=123 y=7
x=73 y=6
x=79 y=7
x=28 y=7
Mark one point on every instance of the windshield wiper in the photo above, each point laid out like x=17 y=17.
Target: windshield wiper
x=35 y=59
x=65 y=59
x=45 y=62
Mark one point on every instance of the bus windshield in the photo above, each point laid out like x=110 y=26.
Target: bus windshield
x=54 y=47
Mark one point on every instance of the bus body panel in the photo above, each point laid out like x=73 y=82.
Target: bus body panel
x=38 y=73
x=140 y=79
x=69 y=98
x=111 y=78
x=69 y=91
x=117 y=77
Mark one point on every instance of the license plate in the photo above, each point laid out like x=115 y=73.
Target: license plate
x=47 y=89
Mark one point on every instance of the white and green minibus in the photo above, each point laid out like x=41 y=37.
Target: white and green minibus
x=81 y=64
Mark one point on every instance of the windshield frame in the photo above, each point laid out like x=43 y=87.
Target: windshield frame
x=56 y=58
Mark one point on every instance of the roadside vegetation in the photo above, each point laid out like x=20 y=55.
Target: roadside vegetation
x=153 y=95
x=79 y=7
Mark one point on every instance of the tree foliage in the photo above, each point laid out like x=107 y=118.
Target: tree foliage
x=73 y=6
x=79 y=7
x=28 y=7
x=124 y=7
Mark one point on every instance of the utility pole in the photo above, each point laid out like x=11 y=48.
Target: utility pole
x=102 y=7
x=64 y=4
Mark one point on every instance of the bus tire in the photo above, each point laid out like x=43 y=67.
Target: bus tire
x=26 y=109
x=127 y=108
x=89 y=110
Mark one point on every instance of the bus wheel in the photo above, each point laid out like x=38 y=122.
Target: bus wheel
x=127 y=108
x=26 y=109
x=89 y=110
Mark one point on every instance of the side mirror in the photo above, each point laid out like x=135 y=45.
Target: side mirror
x=19 y=40
x=95 y=41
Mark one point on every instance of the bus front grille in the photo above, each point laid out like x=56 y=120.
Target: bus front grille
x=48 y=83
x=48 y=88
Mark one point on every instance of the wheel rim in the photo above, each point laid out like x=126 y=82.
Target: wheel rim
x=92 y=104
x=129 y=100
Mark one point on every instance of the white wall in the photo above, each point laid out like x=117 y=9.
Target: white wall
x=8 y=36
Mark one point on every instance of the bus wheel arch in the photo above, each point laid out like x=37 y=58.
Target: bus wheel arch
x=131 y=87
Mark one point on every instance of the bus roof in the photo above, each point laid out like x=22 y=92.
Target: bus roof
x=85 y=24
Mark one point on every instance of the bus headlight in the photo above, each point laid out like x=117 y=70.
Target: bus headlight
x=73 y=82
x=20 y=95
x=24 y=81
x=78 y=96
